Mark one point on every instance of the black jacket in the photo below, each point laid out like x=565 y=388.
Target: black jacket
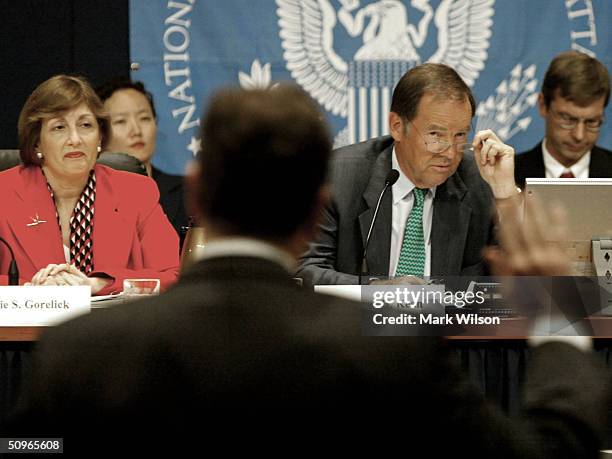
x=530 y=164
x=236 y=356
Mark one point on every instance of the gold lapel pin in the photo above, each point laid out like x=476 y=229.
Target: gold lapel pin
x=36 y=221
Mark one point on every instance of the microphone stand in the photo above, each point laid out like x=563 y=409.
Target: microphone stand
x=392 y=177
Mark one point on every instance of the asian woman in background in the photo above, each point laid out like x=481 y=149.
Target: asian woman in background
x=133 y=130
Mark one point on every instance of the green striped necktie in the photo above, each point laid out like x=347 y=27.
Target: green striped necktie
x=412 y=255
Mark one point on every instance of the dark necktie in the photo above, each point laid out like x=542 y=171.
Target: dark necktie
x=567 y=175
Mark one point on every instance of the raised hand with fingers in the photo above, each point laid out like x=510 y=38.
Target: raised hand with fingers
x=495 y=162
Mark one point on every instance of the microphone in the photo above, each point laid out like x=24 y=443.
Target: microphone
x=13 y=272
x=392 y=177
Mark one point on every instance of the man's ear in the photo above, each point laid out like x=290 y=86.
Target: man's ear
x=396 y=126
x=193 y=192
x=542 y=106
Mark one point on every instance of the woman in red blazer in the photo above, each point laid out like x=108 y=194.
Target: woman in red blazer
x=68 y=220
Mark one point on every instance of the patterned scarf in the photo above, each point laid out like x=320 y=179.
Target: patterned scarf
x=81 y=226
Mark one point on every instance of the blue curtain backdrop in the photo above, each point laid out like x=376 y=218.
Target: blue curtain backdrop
x=348 y=54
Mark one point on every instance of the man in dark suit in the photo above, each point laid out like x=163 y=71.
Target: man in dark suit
x=431 y=113
x=575 y=93
x=237 y=356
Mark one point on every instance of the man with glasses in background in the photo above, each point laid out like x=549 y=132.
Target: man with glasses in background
x=439 y=214
x=575 y=93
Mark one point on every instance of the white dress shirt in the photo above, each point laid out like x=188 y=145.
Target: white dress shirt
x=554 y=168
x=403 y=198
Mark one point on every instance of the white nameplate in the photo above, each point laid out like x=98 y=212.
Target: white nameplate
x=33 y=306
x=351 y=292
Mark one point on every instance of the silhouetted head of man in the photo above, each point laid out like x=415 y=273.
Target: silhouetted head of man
x=263 y=166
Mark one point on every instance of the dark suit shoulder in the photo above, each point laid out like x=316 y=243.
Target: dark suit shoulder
x=601 y=163
x=167 y=182
x=352 y=166
x=603 y=151
x=365 y=151
x=231 y=347
x=528 y=157
x=171 y=198
x=529 y=164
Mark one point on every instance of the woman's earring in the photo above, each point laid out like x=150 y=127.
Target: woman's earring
x=99 y=148
x=39 y=155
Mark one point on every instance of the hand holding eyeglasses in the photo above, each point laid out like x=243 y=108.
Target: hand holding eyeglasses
x=495 y=162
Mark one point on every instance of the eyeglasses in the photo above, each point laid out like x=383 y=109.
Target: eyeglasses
x=436 y=144
x=568 y=122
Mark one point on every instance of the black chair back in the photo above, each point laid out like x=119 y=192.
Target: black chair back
x=8 y=159
x=122 y=162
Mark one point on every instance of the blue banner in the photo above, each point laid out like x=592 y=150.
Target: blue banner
x=348 y=54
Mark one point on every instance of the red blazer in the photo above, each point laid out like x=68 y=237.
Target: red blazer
x=132 y=238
